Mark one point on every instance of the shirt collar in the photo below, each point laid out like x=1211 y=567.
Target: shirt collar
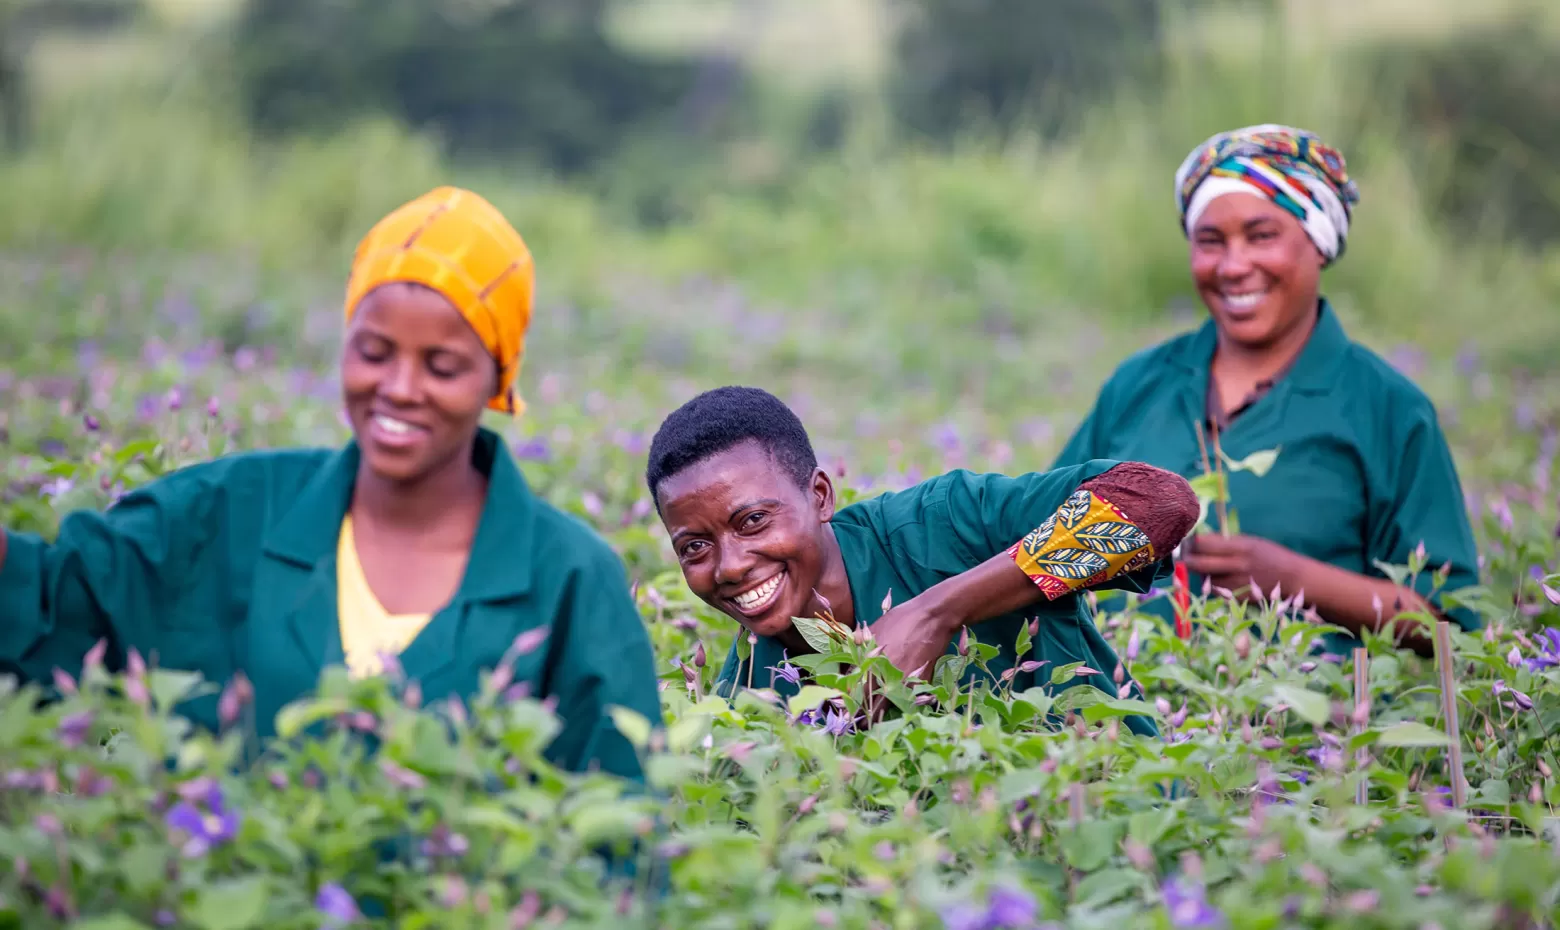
x=498 y=566
x=1312 y=371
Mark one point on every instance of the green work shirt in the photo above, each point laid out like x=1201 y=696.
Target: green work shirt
x=231 y=564
x=1363 y=474
x=903 y=542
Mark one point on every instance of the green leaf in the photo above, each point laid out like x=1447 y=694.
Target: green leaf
x=235 y=904
x=1495 y=792
x=1312 y=707
x=1030 y=704
x=1208 y=487
x=1090 y=845
x=686 y=732
x=1064 y=673
x=1411 y=734
x=300 y=715
x=1257 y=463
x=1107 y=885
x=632 y=724
x=170 y=686
x=109 y=922
x=1126 y=707
x=809 y=698
x=816 y=634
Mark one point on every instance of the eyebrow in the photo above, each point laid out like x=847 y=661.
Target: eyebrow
x=1245 y=227
x=747 y=505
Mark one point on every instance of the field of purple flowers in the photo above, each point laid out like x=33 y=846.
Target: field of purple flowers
x=780 y=816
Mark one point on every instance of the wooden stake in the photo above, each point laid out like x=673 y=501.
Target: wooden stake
x=1444 y=660
x=1361 y=696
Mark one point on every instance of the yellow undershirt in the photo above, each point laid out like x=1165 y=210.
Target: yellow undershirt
x=368 y=631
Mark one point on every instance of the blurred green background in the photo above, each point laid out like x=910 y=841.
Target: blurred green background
x=933 y=225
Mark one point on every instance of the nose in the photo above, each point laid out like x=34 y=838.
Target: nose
x=732 y=564
x=1235 y=264
x=401 y=383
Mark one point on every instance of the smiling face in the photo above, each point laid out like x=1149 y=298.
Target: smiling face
x=750 y=542
x=416 y=379
x=1256 y=270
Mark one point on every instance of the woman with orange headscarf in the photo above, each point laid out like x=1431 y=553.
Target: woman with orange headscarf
x=418 y=540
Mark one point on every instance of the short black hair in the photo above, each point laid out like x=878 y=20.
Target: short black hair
x=721 y=419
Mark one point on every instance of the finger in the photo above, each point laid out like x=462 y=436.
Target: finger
x=1214 y=544
x=1214 y=566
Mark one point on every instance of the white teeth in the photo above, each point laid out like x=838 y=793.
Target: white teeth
x=750 y=600
x=392 y=426
x=1245 y=301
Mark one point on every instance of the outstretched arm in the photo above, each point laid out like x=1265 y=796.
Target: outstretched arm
x=1116 y=523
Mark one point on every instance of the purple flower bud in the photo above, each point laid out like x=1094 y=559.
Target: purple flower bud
x=402 y=778
x=73 y=729
x=527 y=642
x=91 y=423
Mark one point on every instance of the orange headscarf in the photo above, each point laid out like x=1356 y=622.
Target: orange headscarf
x=457 y=243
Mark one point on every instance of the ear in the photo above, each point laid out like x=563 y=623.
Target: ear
x=822 y=491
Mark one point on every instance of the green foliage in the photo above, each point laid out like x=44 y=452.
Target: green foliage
x=538 y=77
x=1487 y=103
x=1007 y=63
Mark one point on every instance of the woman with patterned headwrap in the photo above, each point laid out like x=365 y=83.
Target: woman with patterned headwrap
x=1363 y=477
x=419 y=539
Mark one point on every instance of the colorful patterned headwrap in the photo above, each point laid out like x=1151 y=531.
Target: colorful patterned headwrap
x=458 y=244
x=1291 y=167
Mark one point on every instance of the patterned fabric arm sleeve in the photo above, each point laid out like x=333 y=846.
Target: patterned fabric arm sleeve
x=1113 y=525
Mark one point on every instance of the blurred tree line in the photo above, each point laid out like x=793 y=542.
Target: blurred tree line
x=544 y=79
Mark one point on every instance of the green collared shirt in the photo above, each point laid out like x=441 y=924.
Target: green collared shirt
x=1364 y=474
x=231 y=564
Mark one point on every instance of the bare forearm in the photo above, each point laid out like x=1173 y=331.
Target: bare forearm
x=1350 y=600
x=990 y=589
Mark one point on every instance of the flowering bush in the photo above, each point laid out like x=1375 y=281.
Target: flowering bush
x=981 y=808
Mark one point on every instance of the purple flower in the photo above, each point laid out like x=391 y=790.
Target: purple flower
x=964 y=917
x=788 y=672
x=837 y=724
x=1188 y=906
x=57 y=488
x=1006 y=909
x=1011 y=908
x=1548 y=655
x=204 y=825
x=535 y=450
x=336 y=904
x=1514 y=700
